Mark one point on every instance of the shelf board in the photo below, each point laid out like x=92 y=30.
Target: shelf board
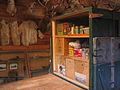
x=73 y=81
x=75 y=13
x=78 y=58
x=23 y=48
x=73 y=36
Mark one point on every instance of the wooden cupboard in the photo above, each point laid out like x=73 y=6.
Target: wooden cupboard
x=75 y=47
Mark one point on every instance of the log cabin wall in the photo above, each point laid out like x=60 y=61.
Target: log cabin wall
x=37 y=61
x=54 y=8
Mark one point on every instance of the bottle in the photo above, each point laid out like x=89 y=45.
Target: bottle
x=72 y=29
x=84 y=53
x=81 y=30
x=76 y=29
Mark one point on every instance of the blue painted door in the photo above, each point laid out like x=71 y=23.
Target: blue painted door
x=107 y=58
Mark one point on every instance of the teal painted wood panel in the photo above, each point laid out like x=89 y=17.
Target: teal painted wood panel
x=107 y=56
x=104 y=76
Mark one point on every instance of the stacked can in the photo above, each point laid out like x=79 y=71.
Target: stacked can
x=71 y=51
x=74 y=49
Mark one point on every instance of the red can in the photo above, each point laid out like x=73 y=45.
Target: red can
x=77 y=52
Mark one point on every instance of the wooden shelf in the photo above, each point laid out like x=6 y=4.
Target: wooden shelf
x=23 y=48
x=80 y=13
x=12 y=48
x=78 y=58
x=76 y=69
x=73 y=36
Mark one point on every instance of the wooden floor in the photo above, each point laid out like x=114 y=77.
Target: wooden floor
x=45 y=82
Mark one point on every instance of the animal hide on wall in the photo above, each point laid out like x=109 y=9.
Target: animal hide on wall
x=40 y=34
x=33 y=32
x=4 y=30
x=15 y=34
x=11 y=9
x=25 y=33
x=34 y=9
x=28 y=30
x=30 y=8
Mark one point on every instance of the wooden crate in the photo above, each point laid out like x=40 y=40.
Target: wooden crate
x=60 y=60
x=59 y=46
x=70 y=71
x=82 y=71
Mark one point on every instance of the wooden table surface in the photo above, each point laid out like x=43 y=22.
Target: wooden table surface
x=45 y=82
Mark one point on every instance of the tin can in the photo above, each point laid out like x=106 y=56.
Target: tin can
x=71 y=51
x=77 y=52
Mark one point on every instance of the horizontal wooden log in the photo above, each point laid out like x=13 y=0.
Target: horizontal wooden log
x=23 y=48
x=35 y=64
